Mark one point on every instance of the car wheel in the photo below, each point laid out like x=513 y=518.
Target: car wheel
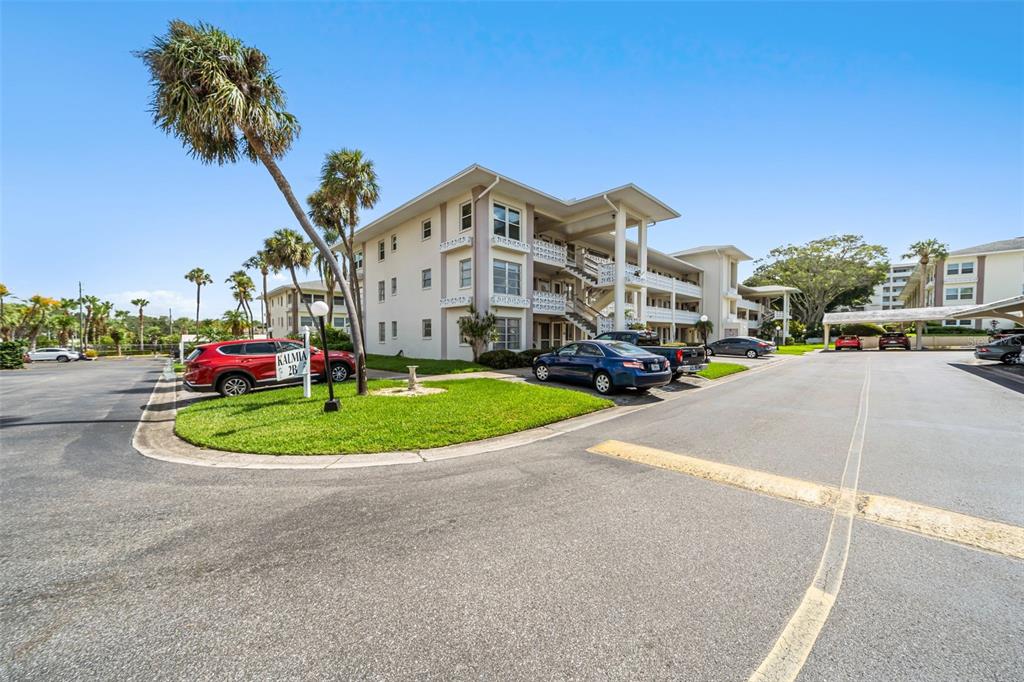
x=542 y=372
x=63 y=358
x=1008 y=358
x=751 y=354
x=710 y=352
x=234 y=385
x=603 y=383
x=339 y=372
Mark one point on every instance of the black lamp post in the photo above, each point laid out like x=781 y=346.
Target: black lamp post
x=319 y=310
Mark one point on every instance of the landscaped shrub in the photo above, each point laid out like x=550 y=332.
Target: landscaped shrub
x=501 y=359
x=860 y=330
x=12 y=354
x=91 y=353
x=530 y=353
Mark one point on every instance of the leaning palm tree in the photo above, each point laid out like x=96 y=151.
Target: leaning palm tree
x=287 y=250
x=259 y=262
x=927 y=252
x=241 y=288
x=220 y=98
x=200 y=278
x=140 y=303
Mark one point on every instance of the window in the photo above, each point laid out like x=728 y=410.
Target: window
x=590 y=350
x=425 y=278
x=427 y=329
x=394 y=243
x=506 y=221
x=957 y=323
x=967 y=268
x=394 y=286
x=339 y=300
x=306 y=322
x=341 y=323
x=506 y=277
x=359 y=260
x=465 y=216
x=465 y=273
x=381 y=332
x=960 y=268
x=380 y=291
x=234 y=349
x=463 y=340
x=508 y=333
x=959 y=293
x=283 y=346
x=394 y=329
x=425 y=230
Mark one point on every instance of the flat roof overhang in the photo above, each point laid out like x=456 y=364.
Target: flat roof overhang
x=1008 y=309
x=1003 y=309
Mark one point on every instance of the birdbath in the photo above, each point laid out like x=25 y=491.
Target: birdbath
x=413 y=383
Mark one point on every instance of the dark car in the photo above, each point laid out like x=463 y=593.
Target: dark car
x=1005 y=350
x=893 y=340
x=236 y=367
x=741 y=345
x=683 y=359
x=605 y=365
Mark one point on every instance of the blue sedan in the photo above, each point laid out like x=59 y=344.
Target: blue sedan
x=605 y=365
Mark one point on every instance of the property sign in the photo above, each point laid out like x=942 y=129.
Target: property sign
x=292 y=363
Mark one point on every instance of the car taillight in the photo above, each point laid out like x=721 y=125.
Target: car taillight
x=679 y=356
x=763 y=345
x=635 y=364
x=983 y=349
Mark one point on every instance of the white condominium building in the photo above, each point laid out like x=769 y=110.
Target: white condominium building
x=288 y=312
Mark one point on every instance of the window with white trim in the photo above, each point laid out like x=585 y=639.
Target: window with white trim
x=394 y=243
x=359 y=260
x=380 y=250
x=508 y=333
x=426 y=278
x=957 y=323
x=507 y=278
x=425 y=230
x=960 y=268
x=380 y=291
x=382 y=332
x=465 y=273
x=394 y=329
x=506 y=221
x=394 y=286
x=428 y=330
x=465 y=216
x=959 y=293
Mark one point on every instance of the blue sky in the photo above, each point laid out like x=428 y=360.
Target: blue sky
x=761 y=123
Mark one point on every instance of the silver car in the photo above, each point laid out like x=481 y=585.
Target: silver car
x=58 y=354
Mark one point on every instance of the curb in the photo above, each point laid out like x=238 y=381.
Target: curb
x=155 y=438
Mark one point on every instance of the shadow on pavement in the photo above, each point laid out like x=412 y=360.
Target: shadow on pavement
x=1007 y=376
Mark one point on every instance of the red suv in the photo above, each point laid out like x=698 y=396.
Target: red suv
x=893 y=340
x=237 y=367
x=848 y=341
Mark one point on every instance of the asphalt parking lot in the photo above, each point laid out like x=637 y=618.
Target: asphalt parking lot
x=542 y=562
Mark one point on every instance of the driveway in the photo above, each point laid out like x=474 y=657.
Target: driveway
x=541 y=562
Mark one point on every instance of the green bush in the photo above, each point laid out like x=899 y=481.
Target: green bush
x=529 y=354
x=860 y=330
x=12 y=354
x=939 y=330
x=91 y=353
x=501 y=359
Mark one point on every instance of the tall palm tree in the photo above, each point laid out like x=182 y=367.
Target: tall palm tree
x=287 y=250
x=91 y=303
x=235 y=321
x=141 y=303
x=200 y=278
x=4 y=293
x=241 y=288
x=348 y=178
x=37 y=315
x=259 y=262
x=927 y=252
x=220 y=98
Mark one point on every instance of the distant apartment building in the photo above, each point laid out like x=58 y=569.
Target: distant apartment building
x=974 y=275
x=289 y=312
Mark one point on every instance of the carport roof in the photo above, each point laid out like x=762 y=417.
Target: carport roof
x=1007 y=307
x=1002 y=308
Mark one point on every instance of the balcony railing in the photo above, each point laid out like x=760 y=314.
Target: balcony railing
x=456 y=243
x=961 y=279
x=668 y=315
x=457 y=301
x=549 y=303
x=510 y=244
x=652 y=280
x=546 y=252
x=606 y=275
x=510 y=301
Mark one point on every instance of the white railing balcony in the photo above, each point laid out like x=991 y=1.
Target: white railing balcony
x=511 y=244
x=606 y=275
x=510 y=301
x=549 y=303
x=732 y=318
x=459 y=242
x=748 y=305
x=457 y=301
x=688 y=289
x=660 y=282
x=687 y=317
x=731 y=292
x=653 y=314
x=546 y=252
x=605 y=324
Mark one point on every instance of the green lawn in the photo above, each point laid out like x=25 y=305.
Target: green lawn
x=798 y=348
x=281 y=422
x=717 y=370
x=178 y=367
x=425 y=366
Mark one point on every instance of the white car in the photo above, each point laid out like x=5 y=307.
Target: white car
x=58 y=354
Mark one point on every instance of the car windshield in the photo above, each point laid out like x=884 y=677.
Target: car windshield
x=623 y=348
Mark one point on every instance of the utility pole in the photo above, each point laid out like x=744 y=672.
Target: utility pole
x=81 y=325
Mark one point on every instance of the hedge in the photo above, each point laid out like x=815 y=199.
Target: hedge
x=501 y=359
x=12 y=354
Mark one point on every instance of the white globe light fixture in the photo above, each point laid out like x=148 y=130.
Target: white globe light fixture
x=704 y=334
x=320 y=310
x=703 y=318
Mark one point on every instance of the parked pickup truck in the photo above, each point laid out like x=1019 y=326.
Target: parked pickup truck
x=682 y=359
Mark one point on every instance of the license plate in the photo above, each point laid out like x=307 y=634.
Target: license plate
x=654 y=367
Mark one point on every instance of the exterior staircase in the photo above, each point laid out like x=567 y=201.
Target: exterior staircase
x=580 y=274
x=582 y=323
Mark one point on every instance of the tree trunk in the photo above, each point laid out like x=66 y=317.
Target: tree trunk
x=282 y=183
x=142 y=338
x=263 y=306
x=198 y=287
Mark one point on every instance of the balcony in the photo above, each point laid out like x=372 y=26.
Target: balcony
x=731 y=292
x=668 y=316
x=968 y=278
x=546 y=252
x=500 y=242
x=606 y=275
x=509 y=301
x=651 y=280
x=548 y=303
x=460 y=242
x=460 y=301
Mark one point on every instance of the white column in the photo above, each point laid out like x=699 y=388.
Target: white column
x=672 y=327
x=620 y=268
x=785 y=316
x=826 y=336
x=641 y=240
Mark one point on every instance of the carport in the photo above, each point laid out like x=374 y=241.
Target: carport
x=1008 y=308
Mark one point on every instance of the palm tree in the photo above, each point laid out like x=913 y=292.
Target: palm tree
x=198 y=277
x=91 y=303
x=927 y=252
x=259 y=262
x=241 y=288
x=235 y=321
x=4 y=293
x=220 y=98
x=287 y=250
x=37 y=315
x=704 y=328
x=140 y=303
